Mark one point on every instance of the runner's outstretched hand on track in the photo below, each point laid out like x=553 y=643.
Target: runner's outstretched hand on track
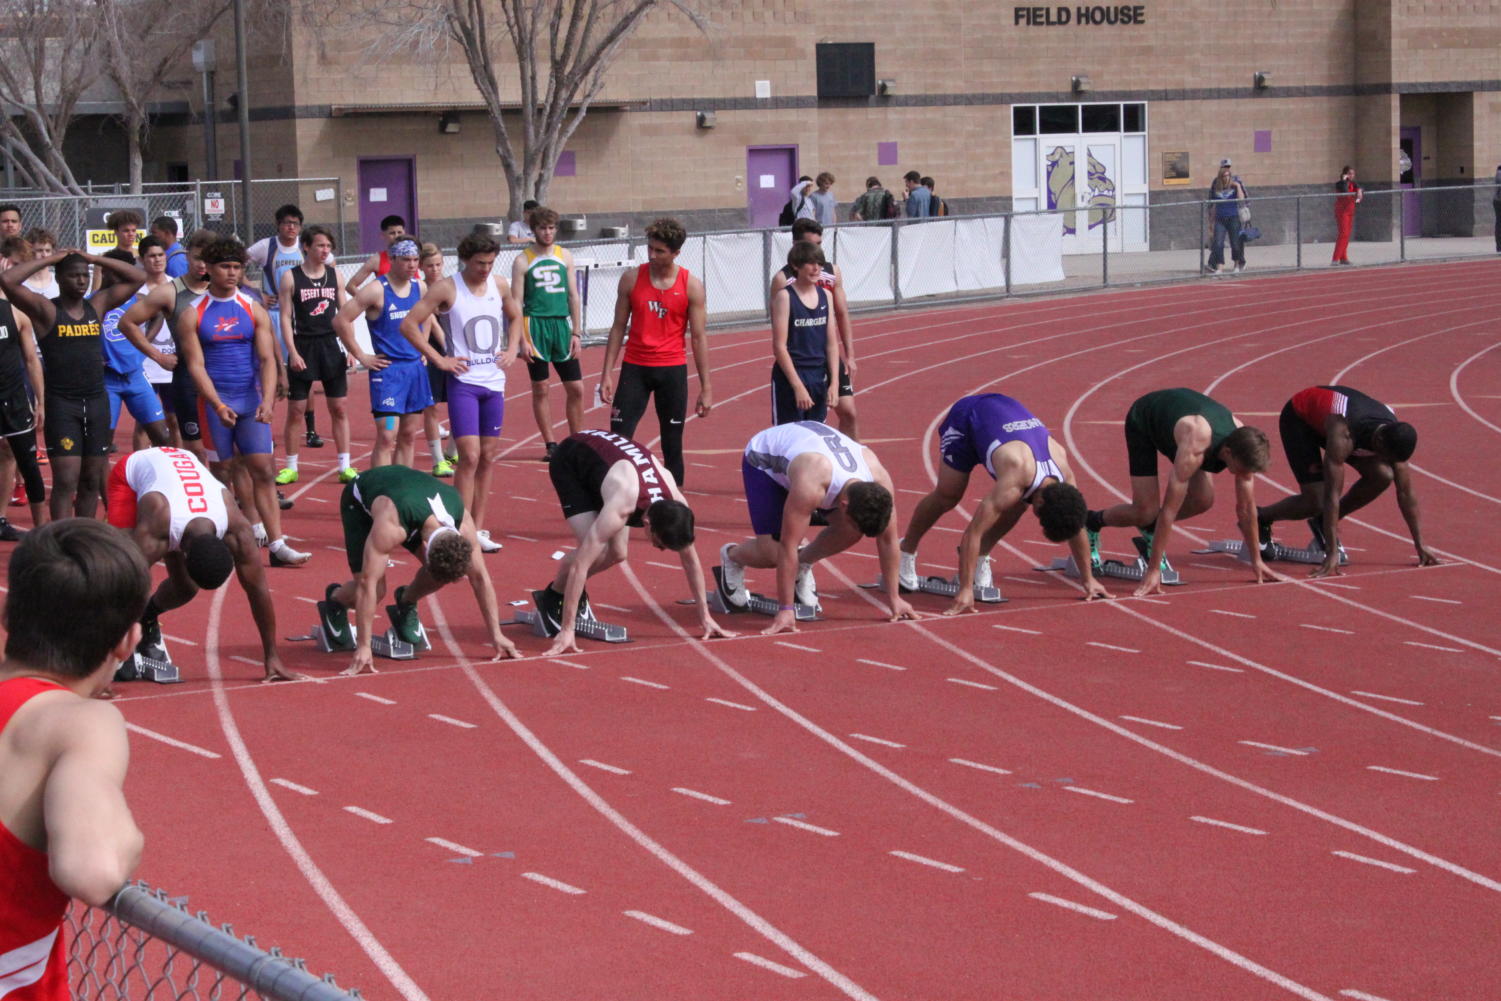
x=1328 y=568
x=277 y=671
x=783 y=622
x=1426 y=558
x=363 y=663
x=1265 y=573
x=505 y=649
x=901 y=609
x=713 y=630
x=964 y=602
x=1094 y=589
x=564 y=642
x=1150 y=584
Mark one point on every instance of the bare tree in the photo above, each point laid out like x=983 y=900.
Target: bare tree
x=49 y=56
x=563 y=50
x=145 y=42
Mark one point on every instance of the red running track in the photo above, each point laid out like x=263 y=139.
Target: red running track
x=1238 y=791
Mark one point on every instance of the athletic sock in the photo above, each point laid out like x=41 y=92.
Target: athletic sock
x=343 y=461
x=435 y=446
x=292 y=461
x=310 y=421
x=259 y=531
x=1094 y=521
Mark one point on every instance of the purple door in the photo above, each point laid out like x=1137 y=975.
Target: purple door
x=387 y=187
x=1410 y=165
x=769 y=173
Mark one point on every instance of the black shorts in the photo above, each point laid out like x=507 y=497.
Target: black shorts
x=1141 y=454
x=575 y=473
x=185 y=406
x=78 y=427
x=437 y=379
x=326 y=363
x=846 y=388
x=568 y=371
x=16 y=413
x=1303 y=446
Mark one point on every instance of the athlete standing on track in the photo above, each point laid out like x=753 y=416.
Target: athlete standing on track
x=154 y=263
x=225 y=342
x=1030 y=470
x=399 y=390
x=18 y=416
x=1199 y=436
x=431 y=267
x=310 y=297
x=478 y=306
x=804 y=342
x=69 y=334
x=275 y=256
x=831 y=281
x=396 y=506
x=662 y=303
x=393 y=228
x=1325 y=428
x=790 y=471
x=552 y=324
x=179 y=515
x=607 y=485
x=76 y=591
x=124 y=365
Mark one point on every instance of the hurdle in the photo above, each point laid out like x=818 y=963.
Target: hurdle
x=758 y=603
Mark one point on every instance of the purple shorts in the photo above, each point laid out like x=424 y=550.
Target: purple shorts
x=765 y=498
x=474 y=410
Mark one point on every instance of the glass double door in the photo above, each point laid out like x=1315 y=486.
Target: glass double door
x=1080 y=175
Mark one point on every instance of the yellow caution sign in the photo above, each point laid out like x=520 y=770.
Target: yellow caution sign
x=101 y=240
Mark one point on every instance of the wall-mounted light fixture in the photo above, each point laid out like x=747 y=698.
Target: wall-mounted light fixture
x=1081 y=84
x=1262 y=79
x=705 y=119
x=448 y=122
x=885 y=87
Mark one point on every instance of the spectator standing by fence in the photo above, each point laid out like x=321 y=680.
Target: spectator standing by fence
x=1347 y=196
x=876 y=203
x=823 y=200
x=919 y=199
x=164 y=228
x=1227 y=196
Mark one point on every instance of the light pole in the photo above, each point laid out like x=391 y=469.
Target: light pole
x=205 y=61
x=243 y=81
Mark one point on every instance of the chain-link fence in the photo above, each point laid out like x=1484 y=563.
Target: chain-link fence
x=145 y=946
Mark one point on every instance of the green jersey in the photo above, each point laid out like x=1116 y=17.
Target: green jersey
x=417 y=497
x=1157 y=414
x=545 y=288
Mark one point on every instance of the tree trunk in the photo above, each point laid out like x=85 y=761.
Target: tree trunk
x=134 y=126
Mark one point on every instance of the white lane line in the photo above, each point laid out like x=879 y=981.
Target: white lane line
x=800 y=825
x=1070 y=905
x=1398 y=771
x=569 y=663
x=451 y=721
x=1226 y=824
x=877 y=663
x=454 y=847
x=336 y=549
x=973 y=684
x=1375 y=861
x=556 y=884
x=797 y=646
x=288 y=784
x=766 y=964
x=1098 y=795
x=202 y=752
x=358 y=812
x=1360 y=995
x=694 y=793
x=612 y=769
x=521 y=538
x=1326 y=582
x=662 y=566
x=1216 y=667
x=1018 y=629
x=1326 y=629
x=946 y=528
x=1434 y=646
x=924 y=860
x=1152 y=722
x=245 y=660
x=983 y=768
x=1442 y=601
x=178 y=639
x=641 y=681
x=877 y=740
x=1111 y=646
x=613 y=608
x=300 y=597
x=1226 y=611
x=529 y=500
x=657 y=922
x=1273 y=747
x=732 y=705
x=1387 y=698
x=375 y=698
x=1027 y=580
x=315 y=500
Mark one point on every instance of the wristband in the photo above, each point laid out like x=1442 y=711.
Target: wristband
x=787 y=608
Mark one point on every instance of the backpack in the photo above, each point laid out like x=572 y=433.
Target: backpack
x=938 y=206
x=790 y=211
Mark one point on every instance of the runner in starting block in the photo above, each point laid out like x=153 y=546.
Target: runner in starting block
x=606 y=484
x=179 y=514
x=790 y=471
x=1030 y=471
x=1324 y=429
x=1136 y=570
x=1276 y=551
x=386 y=508
x=1199 y=436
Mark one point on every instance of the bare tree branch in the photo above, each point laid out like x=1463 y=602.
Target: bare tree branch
x=49 y=57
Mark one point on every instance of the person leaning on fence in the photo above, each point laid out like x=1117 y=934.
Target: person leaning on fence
x=77 y=591
x=876 y=203
x=1347 y=196
x=1228 y=196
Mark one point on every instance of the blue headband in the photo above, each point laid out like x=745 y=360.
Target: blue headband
x=404 y=248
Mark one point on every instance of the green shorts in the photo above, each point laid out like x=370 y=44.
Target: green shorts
x=550 y=335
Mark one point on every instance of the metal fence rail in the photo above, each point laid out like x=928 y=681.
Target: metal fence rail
x=145 y=946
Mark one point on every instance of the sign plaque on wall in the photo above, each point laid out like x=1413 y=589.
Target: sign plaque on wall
x=1175 y=168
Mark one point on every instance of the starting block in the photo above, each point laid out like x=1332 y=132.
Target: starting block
x=586 y=626
x=153 y=665
x=1314 y=554
x=417 y=641
x=759 y=603
x=945 y=587
x=1118 y=569
x=387 y=644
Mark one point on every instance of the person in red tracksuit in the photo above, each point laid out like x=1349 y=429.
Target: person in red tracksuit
x=1348 y=196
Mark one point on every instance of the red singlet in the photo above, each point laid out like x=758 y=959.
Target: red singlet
x=659 y=319
x=32 y=962
x=383 y=264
